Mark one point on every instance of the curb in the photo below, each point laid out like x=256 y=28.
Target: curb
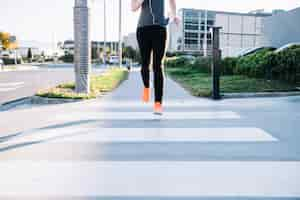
x=35 y=100
x=259 y=94
x=12 y=104
x=50 y=101
x=20 y=69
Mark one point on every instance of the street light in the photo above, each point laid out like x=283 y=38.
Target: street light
x=104 y=29
x=120 y=33
x=82 y=55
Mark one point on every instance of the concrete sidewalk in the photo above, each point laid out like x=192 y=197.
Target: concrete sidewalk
x=116 y=148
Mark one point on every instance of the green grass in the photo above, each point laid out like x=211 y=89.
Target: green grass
x=199 y=84
x=99 y=84
x=10 y=67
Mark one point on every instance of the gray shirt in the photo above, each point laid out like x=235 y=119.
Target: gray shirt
x=153 y=13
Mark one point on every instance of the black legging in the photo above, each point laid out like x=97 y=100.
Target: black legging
x=152 y=39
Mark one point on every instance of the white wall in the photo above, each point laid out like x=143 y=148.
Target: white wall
x=238 y=32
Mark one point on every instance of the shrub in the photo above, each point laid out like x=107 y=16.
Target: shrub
x=176 y=62
x=11 y=61
x=253 y=65
x=202 y=64
x=228 y=65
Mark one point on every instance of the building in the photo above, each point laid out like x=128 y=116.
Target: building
x=113 y=46
x=239 y=31
x=37 y=48
x=282 y=28
x=131 y=41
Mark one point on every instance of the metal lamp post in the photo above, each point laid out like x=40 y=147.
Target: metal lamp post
x=120 y=33
x=82 y=54
x=217 y=54
x=105 y=34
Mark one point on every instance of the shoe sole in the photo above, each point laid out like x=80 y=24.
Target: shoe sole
x=157 y=113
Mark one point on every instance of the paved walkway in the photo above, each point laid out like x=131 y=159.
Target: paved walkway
x=115 y=148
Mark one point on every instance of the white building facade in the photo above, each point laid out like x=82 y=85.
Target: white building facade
x=240 y=31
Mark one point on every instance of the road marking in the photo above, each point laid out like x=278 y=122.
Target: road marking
x=173 y=135
x=6 y=87
x=148 y=115
x=170 y=103
x=11 y=84
x=9 y=89
x=164 y=179
x=84 y=134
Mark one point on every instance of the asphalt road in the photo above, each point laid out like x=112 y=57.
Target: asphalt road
x=114 y=148
x=18 y=84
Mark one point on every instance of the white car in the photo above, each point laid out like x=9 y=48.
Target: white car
x=114 y=60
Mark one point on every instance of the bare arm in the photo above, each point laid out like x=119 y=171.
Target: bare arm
x=172 y=7
x=136 y=4
x=173 y=10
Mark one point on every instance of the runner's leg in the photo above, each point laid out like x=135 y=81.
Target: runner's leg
x=159 y=44
x=145 y=47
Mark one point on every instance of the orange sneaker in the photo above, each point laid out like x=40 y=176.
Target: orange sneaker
x=146 y=95
x=158 y=108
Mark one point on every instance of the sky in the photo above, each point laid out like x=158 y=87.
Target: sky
x=52 y=20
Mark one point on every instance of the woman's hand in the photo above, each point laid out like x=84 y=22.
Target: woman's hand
x=176 y=20
x=136 y=4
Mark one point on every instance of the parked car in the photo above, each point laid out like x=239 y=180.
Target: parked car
x=286 y=47
x=249 y=51
x=114 y=60
x=1 y=63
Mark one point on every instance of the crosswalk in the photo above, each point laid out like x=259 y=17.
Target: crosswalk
x=99 y=177
x=11 y=86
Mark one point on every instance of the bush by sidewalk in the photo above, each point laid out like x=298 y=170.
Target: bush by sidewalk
x=196 y=77
x=99 y=84
x=266 y=64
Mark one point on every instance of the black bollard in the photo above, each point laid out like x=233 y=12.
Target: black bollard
x=217 y=54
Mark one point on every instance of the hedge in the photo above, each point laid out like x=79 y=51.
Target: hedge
x=11 y=61
x=202 y=64
x=265 y=63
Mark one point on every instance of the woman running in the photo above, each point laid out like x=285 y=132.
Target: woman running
x=152 y=36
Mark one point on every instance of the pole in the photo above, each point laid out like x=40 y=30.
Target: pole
x=105 y=32
x=16 y=57
x=216 y=63
x=120 y=33
x=82 y=55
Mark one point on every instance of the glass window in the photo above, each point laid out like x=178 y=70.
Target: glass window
x=194 y=14
x=211 y=15
x=189 y=41
x=191 y=27
x=203 y=15
x=210 y=22
x=191 y=20
x=191 y=35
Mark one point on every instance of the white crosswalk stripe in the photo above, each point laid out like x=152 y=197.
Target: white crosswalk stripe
x=251 y=179
x=147 y=178
x=149 y=115
x=86 y=135
x=6 y=87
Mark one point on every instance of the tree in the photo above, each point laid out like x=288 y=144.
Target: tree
x=29 y=55
x=129 y=52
